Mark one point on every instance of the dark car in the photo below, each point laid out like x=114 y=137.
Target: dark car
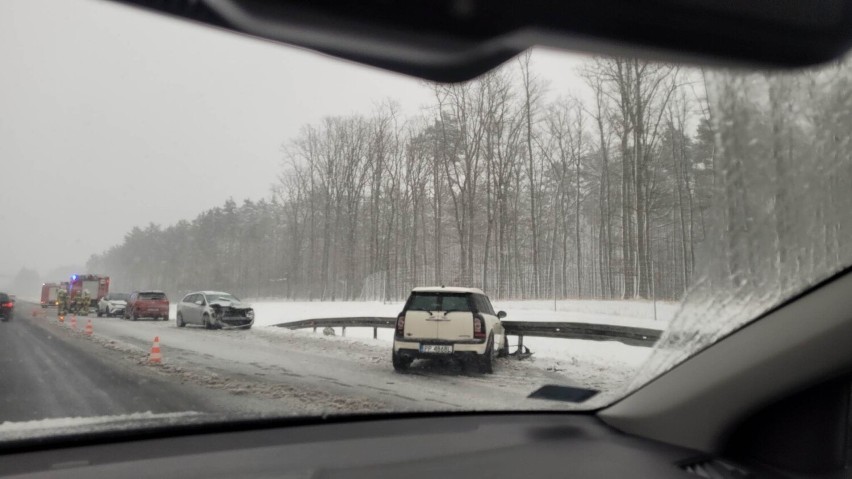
x=147 y=304
x=7 y=307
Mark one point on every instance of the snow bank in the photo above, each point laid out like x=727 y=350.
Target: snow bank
x=553 y=351
x=621 y=313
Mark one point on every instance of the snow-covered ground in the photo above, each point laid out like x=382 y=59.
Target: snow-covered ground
x=554 y=353
x=321 y=373
x=592 y=363
x=645 y=314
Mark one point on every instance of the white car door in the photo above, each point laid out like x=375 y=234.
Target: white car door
x=194 y=308
x=185 y=309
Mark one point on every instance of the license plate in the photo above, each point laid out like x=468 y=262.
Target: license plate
x=436 y=348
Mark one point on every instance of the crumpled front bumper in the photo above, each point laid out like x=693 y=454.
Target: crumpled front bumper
x=235 y=319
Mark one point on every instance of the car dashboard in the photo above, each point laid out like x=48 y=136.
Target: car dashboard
x=445 y=446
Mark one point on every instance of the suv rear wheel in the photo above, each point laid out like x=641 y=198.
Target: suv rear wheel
x=486 y=361
x=400 y=363
x=504 y=351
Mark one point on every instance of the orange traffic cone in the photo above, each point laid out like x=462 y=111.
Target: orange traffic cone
x=74 y=323
x=89 y=328
x=155 y=356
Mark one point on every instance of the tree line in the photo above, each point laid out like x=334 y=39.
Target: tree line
x=498 y=183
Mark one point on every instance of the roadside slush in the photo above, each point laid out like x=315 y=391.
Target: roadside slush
x=52 y=371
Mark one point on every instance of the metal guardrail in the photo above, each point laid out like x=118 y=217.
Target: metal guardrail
x=586 y=331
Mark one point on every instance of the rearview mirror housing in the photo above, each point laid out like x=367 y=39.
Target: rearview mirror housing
x=457 y=40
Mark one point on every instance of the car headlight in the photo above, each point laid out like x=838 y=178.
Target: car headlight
x=250 y=314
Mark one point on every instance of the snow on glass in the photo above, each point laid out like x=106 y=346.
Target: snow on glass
x=783 y=193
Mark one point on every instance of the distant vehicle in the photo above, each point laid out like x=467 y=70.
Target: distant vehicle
x=48 y=294
x=147 y=304
x=442 y=321
x=113 y=304
x=96 y=285
x=7 y=307
x=214 y=310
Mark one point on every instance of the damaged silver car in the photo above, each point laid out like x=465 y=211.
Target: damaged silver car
x=214 y=310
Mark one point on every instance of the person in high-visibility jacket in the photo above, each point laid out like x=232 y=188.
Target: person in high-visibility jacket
x=61 y=302
x=85 y=301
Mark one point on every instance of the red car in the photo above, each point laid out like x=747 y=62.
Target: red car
x=147 y=304
x=7 y=307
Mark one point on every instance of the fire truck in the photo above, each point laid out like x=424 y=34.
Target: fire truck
x=96 y=285
x=48 y=294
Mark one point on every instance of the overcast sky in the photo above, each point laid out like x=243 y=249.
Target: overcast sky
x=111 y=117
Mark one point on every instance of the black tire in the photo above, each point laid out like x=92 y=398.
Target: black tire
x=205 y=320
x=99 y=313
x=179 y=321
x=133 y=316
x=400 y=363
x=504 y=351
x=486 y=361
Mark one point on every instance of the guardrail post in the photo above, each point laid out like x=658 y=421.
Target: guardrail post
x=343 y=331
x=315 y=329
x=520 y=343
x=375 y=333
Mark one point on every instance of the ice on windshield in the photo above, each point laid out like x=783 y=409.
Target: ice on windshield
x=782 y=193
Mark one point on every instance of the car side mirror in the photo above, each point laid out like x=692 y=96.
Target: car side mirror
x=501 y=314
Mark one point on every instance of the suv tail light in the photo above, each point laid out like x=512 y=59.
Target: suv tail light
x=400 y=324
x=478 y=326
x=7 y=305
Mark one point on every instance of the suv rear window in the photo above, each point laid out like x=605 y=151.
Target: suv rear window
x=152 y=296
x=438 y=302
x=4 y=297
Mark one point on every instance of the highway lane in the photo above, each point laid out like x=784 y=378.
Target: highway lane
x=327 y=370
x=45 y=375
x=48 y=371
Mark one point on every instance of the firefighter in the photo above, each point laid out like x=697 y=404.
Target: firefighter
x=72 y=302
x=85 y=301
x=62 y=302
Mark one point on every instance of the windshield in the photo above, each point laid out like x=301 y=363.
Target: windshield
x=554 y=195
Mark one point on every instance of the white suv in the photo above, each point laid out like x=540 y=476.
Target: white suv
x=441 y=321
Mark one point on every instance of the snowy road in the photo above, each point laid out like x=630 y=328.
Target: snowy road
x=265 y=370
x=351 y=372
x=43 y=375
